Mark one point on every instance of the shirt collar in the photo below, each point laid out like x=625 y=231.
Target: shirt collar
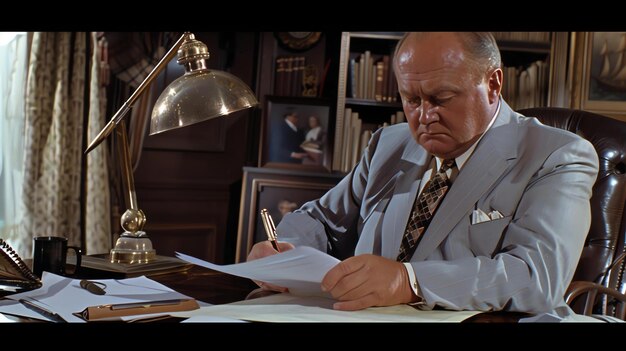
x=291 y=125
x=461 y=159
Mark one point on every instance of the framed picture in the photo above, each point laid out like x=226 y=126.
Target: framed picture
x=297 y=134
x=604 y=73
x=280 y=192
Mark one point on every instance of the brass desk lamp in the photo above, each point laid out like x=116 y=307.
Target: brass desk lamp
x=199 y=95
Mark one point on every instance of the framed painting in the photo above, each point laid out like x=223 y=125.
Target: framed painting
x=280 y=191
x=604 y=73
x=296 y=134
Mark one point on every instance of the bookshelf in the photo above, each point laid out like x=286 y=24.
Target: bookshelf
x=534 y=75
x=366 y=93
x=283 y=70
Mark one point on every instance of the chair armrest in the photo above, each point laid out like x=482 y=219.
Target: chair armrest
x=577 y=288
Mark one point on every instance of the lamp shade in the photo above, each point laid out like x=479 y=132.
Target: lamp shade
x=198 y=96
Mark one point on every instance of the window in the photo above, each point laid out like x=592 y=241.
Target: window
x=13 y=70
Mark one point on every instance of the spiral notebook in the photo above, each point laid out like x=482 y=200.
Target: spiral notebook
x=15 y=276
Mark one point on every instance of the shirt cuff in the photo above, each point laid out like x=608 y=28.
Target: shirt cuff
x=412 y=279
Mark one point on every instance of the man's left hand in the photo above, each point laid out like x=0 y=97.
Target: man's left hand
x=368 y=280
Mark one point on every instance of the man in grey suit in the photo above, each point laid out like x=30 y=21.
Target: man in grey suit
x=508 y=233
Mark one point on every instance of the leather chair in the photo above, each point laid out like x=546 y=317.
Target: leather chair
x=602 y=264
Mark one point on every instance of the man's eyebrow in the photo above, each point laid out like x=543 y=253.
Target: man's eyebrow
x=440 y=88
x=434 y=91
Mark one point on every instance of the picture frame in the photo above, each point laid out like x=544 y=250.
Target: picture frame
x=276 y=190
x=603 y=86
x=305 y=142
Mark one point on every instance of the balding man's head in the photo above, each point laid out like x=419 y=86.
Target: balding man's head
x=480 y=49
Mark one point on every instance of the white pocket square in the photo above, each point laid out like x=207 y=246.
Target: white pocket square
x=495 y=214
x=478 y=216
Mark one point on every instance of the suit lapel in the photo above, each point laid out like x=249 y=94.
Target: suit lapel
x=414 y=163
x=489 y=161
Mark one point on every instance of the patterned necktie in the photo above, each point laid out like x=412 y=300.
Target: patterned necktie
x=423 y=210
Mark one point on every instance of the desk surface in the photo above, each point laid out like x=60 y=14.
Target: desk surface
x=208 y=285
x=219 y=288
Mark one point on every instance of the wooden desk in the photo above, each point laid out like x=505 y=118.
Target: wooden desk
x=208 y=285
x=219 y=288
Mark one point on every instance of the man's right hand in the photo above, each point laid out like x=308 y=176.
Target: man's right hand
x=263 y=249
x=299 y=155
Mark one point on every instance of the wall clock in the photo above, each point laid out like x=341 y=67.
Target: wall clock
x=298 y=41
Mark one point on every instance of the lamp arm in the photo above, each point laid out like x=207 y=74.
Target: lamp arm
x=127 y=172
x=119 y=115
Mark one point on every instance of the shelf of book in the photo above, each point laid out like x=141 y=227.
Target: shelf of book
x=367 y=102
x=367 y=93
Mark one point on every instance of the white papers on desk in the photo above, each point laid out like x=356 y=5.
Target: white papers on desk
x=301 y=269
x=65 y=296
x=572 y=318
x=4 y=319
x=289 y=308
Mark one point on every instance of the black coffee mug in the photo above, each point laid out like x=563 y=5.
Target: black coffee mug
x=50 y=254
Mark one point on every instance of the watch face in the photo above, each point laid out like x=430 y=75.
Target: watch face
x=298 y=41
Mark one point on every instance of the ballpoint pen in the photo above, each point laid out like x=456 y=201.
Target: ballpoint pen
x=270 y=229
x=42 y=311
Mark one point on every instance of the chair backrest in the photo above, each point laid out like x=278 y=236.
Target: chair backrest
x=606 y=238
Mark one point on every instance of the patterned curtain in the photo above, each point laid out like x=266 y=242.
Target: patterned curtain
x=53 y=139
x=97 y=218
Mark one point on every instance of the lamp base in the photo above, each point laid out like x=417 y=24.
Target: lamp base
x=133 y=249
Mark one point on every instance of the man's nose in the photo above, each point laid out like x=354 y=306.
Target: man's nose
x=428 y=114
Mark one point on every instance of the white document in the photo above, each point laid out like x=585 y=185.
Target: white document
x=573 y=318
x=4 y=319
x=301 y=269
x=289 y=308
x=65 y=296
x=212 y=319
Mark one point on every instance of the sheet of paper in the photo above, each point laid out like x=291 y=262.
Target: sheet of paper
x=301 y=269
x=552 y=318
x=212 y=319
x=65 y=296
x=290 y=308
x=4 y=319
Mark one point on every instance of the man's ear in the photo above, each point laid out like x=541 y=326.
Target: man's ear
x=494 y=82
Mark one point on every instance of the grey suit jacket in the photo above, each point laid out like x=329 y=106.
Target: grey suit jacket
x=540 y=178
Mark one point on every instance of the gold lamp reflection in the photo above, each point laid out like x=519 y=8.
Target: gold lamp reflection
x=199 y=95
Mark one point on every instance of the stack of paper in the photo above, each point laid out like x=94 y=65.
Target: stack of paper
x=65 y=297
x=289 y=308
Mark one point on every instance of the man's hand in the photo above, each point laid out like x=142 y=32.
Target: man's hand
x=263 y=249
x=368 y=280
x=299 y=155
